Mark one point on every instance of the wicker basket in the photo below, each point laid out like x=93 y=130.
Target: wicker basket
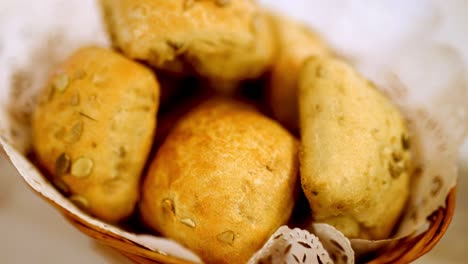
x=405 y=251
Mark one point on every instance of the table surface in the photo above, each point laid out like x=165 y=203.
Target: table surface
x=33 y=232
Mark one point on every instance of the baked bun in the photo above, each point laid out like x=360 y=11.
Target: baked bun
x=219 y=40
x=355 y=156
x=222 y=182
x=93 y=129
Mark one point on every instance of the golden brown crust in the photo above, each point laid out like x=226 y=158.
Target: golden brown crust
x=355 y=158
x=93 y=129
x=222 y=182
x=295 y=44
x=229 y=42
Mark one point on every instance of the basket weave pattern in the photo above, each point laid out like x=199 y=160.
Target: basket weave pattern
x=405 y=251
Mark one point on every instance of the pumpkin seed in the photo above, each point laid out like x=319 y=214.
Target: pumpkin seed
x=222 y=2
x=79 y=75
x=75 y=132
x=122 y=152
x=79 y=201
x=188 y=4
x=61 y=82
x=168 y=205
x=82 y=167
x=226 y=237
x=188 y=222
x=405 y=142
x=75 y=100
x=62 y=164
x=61 y=186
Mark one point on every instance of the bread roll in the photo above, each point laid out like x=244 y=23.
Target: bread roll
x=355 y=155
x=222 y=182
x=295 y=43
x=220 y=40
x=93 y=129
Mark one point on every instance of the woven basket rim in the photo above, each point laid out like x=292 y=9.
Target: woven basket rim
x=406 y=251
x=412 y=248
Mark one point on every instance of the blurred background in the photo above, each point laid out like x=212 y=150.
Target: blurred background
x=33 y=232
